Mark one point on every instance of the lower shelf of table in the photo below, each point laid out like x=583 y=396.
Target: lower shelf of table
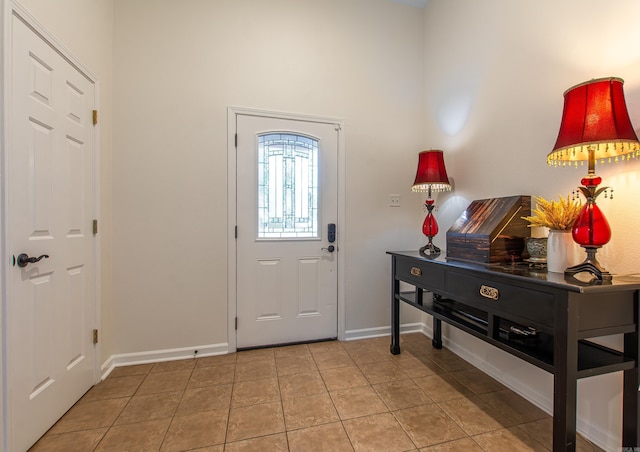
x=593 y=359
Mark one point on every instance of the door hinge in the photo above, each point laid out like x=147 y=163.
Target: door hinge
x=236 y=140
x=236 y=232
x=95 y=117
x=95 y=336
x=95 y=227
x=236 y=323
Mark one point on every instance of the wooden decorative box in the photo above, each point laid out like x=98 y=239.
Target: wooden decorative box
x=491 y=230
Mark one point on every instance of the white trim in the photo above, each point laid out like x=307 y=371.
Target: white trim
x=156 y=356
x=232 y=113
x=381 y=331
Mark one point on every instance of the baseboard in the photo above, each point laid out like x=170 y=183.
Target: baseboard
x=154 y=356
x=368 y=333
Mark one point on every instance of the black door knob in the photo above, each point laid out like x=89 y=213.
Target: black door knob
x=24 y=259
x=330 y=248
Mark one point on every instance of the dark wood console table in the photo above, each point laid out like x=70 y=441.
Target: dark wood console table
x=537 y=316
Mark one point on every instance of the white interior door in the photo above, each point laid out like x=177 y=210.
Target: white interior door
x=287 y=194
x=50 y=304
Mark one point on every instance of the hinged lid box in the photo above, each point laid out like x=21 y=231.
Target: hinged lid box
x=491 y=230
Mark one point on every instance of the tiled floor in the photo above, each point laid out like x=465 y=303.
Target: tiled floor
x=331 y=396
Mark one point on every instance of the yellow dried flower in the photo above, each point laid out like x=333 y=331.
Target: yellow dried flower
x=558 y=215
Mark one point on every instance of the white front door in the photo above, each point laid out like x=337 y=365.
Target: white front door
x=287 y=228
x=50 y=304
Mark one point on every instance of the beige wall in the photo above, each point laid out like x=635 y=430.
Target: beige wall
x=178 y=66
x=495 y=74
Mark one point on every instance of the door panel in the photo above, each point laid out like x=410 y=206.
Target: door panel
x=286 y=196
x=50 y=304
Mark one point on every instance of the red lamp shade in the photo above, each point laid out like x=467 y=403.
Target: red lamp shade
x=595 y=116
x=431 y=174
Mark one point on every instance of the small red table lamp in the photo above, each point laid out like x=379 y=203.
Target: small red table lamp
x=431 y=176
x=595 y=127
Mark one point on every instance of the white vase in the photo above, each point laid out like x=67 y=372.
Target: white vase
x=561 y=251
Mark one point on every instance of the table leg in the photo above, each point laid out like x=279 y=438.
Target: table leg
x=395 y=311
x=631 y=381
x=565 y=376
x=436 y=342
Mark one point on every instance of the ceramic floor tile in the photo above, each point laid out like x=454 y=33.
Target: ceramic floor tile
x=442 y=387
x=448 y=360
x=428 y=425
x=368 y=354
x=90 y=415
x=254 y=392
x=271 y=443
x=217 y=397
x=309 y=411
x=290 y=365
x=380 y=432
x=64 y=442
x=168 y=366
x=332 y=359
x=196 y=430
x=291 y=351
x=211 y=376
x=300 y=385
x=256 y=420
x=458 y=445
x=413 y=367
x=477 y=381
x=383 y=371
x=343 y=378
x=113 y=388
x=255 y=355
x=542 y=431
x=401 y=394
x=127 y=371
x=508 y=440
x=255 y=370
x=216 y=360
x=475 y=416
x=513 y=406
x=164 y=382
x=355 y=402
x=327 y=346
x=145 y=436
x=323 y=438
x=149 y=407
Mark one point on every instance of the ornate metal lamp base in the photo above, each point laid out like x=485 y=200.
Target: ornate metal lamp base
x=430 y=249
x=590 y=265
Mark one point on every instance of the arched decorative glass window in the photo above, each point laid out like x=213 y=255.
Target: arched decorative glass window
x=287 y=186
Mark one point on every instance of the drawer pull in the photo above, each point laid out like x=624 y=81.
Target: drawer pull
x=415 y=271
x=489 y=292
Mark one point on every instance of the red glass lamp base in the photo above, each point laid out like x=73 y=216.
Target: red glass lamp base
x=430 y=229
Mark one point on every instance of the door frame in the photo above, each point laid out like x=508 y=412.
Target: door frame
x=10 y=8
x=232 y=113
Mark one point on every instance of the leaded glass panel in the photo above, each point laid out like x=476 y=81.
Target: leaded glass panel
x=287 y=186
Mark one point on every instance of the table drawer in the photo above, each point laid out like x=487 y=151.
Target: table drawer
x=495 y=297
x=420 y=273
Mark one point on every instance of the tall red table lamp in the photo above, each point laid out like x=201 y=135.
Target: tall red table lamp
x=431 y=176
x=595 y=127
